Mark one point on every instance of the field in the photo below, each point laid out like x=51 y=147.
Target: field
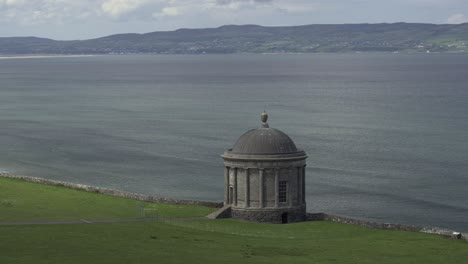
x=26 y=201
x=182 y=240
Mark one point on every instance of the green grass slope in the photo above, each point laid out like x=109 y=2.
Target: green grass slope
x=204 y=241
x=26 y=201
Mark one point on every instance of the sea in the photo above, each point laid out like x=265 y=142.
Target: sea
x=386 y=134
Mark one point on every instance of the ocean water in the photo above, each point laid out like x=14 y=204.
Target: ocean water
x=386 y=134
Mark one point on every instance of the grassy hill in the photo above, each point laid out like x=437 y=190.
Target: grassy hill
x=190 y=241
x=26 y=201
x=397 y=37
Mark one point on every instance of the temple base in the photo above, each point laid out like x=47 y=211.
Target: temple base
x=271 y=215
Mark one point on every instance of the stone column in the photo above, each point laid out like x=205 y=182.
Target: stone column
x=299 y=185
x=226 y=185
x=303 y=184
x=235 y=187
x=276 y=187
x=260 y=190
x=290 y=189
x=247 y=188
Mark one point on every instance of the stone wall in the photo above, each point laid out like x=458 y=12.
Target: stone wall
x=378 y=225
x=134 y=196
x=361 y=222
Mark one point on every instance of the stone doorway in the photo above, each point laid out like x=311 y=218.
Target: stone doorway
x=284 y=218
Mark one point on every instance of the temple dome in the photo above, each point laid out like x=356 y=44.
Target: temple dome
x=264 y=141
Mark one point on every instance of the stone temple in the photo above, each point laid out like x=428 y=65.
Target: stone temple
x=265 y=177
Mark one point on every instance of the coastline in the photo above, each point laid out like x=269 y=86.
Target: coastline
x=310 y=216
x=46 y=56
x=41 y=56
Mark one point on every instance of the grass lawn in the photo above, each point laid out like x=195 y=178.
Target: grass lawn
x=200 y=241
x=26 y=201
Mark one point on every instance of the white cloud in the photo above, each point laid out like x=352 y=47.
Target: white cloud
x=295 y=7
x=247 y=2
x=457 y=19
x=167 y=12
x=25 y=12
x=432 y=2
x=36 y=12
x=239 y=4
x=171 y=11
x=13 y=2
x=117 y=8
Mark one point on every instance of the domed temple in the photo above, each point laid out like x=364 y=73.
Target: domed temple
x=265 y=177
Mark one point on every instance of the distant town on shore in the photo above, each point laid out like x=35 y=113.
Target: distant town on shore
x=321 y=38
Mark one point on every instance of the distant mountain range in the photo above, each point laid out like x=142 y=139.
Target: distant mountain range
x=397 y=37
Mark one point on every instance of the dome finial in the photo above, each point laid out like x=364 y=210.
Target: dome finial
x=264 y=117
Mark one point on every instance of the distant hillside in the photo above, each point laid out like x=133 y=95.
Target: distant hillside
x=398 y=37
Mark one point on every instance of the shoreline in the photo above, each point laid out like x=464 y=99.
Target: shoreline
x=41 y=56
x=310 y=216
x=46 y=56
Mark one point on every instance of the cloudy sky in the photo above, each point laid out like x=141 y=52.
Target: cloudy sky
x=83 y=19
